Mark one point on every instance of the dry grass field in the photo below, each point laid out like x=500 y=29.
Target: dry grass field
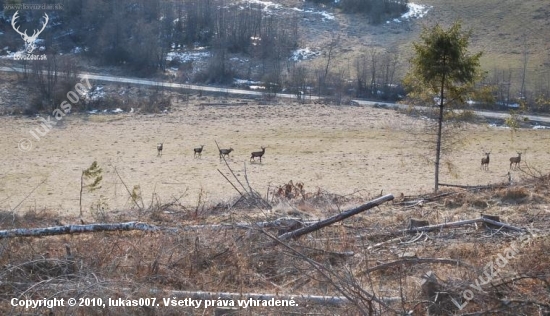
x=342 y=150
x=344 y=155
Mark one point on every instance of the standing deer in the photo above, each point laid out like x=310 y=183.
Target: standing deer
x=159 y=149
x=257 y=154
x=198 y=151
x=485 y=162
x=515 y=161
x=225 y=152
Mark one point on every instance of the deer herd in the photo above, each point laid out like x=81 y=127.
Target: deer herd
x=514 y=161
x=223 y=152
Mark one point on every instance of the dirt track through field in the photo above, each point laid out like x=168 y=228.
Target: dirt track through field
x=338 y=149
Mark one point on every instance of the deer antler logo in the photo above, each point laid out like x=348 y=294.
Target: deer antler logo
x=30 y=41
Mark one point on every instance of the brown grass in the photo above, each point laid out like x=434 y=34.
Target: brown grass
x=129 y=264
x=339 y=149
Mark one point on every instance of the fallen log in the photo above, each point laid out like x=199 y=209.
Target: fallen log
x=75 y=229
x=461 y=223
x=336 y=218
x=90 y=228
x=476 y=187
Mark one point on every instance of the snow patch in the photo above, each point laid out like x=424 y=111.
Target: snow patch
x=540 y=127
x=416 y=11
x=257 y=88
x=187 y=56
x=77 y=50
x=304 y=54
x=96 y=94
x=267 y=5
x=243 y=82
x=324 y=14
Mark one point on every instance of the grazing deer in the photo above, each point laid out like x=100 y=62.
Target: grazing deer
x=198 y=151
x=257 y=154
x=159 y=149
x=515 y=161
x=225 y=152
x=485 y=162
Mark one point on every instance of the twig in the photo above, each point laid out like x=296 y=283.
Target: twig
x=231 y=170
x=127 y=190
x=230 y=182
x=30 y=193
x=414 y=261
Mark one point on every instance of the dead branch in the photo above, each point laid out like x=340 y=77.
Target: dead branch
x=91 y=228
x=75 y=229
x=461 y=223
x=334 y=219
x=231 y=170
x=128 y=190
x=234 y=187
x=475 y=187
x=348 y=290
x=414 y=261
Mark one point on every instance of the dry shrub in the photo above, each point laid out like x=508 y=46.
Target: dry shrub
x=482 y=204
x=129 y=264
x=515 y=195
x=465 y=251
x=452 y=203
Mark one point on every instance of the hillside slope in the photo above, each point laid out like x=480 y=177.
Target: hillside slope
x=501 y=29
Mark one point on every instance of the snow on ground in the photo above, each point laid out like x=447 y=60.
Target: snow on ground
x=303 y=54
x=77 y=50
x=97 y=94
x=187 y=56
x=267 y=5
x=416 y=11
x=241 y=82
x=326 y=15
x=250 y=84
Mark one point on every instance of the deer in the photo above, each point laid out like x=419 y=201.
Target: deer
x=485 y=161
x=515 y=160
x=159 y=149
x=257 y=154
x=225 y=152
x=198 y=151
x=30 y=41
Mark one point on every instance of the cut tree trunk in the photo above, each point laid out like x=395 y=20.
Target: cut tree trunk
x=334 y=219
